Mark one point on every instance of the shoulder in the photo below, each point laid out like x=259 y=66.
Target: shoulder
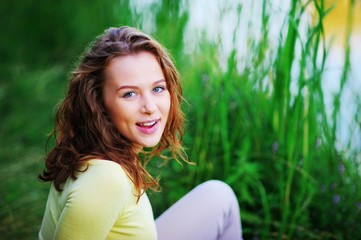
x=103 y=177
x=92 y=203
x=104 y=168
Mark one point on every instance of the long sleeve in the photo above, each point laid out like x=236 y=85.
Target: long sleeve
x=99 y=204
x=93 y=204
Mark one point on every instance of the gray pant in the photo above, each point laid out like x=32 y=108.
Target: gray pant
x=210 y=211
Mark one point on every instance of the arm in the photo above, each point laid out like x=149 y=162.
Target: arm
x=94 y=204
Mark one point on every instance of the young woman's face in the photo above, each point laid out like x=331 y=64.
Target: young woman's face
x=136 y=98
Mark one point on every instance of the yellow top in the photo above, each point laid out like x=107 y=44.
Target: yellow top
x=99 y=204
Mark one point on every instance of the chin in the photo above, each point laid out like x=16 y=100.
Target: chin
x=152 y=144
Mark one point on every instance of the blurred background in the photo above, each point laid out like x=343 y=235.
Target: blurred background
x=273 y=105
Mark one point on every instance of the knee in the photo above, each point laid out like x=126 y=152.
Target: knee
x=222 y=200
x=219 y=189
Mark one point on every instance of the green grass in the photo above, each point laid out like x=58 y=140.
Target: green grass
x=274 y=145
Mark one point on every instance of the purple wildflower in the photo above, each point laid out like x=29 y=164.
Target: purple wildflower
x=358 y=206
x=341 y=168
x=336 y=199
x=275 y=146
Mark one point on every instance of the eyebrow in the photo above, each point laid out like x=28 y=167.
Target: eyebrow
x=134 y=87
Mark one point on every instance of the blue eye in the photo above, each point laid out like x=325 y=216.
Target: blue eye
x=158 y=89
x=129 y=94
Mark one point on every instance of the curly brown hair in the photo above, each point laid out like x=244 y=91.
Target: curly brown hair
x=83 y=129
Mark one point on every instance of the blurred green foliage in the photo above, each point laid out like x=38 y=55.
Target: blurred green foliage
x=276 y=149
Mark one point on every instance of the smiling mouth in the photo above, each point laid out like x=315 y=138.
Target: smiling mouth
x=149 y=124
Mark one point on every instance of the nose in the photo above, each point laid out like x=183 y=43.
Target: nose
x=149 y=105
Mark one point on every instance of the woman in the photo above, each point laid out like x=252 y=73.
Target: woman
x=125 y=95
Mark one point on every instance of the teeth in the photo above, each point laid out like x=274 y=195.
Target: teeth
x=148 y=124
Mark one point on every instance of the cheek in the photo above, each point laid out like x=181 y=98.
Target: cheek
x=116 y=113
x=169 y=110
x=168 y=105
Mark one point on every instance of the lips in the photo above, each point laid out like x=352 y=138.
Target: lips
x=148 y=127
x=147 y=124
